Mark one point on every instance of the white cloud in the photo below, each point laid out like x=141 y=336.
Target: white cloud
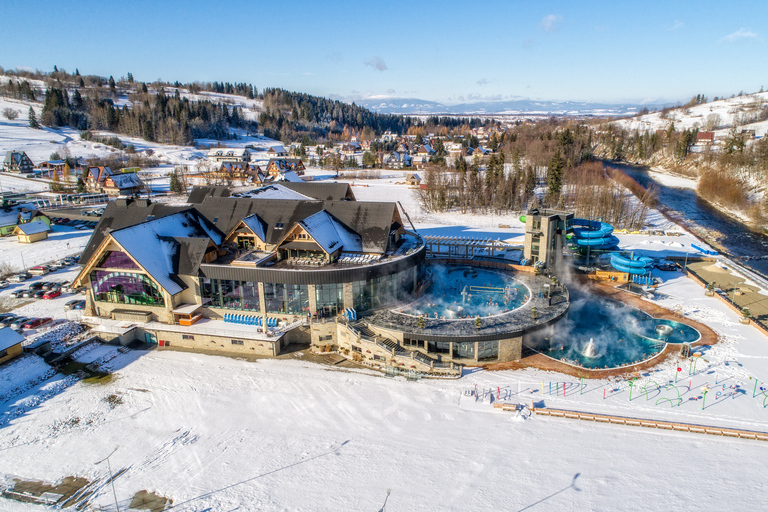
x=742 y=33
x=377 y=63
x=677 y=25
x=550 y=21
x=482 y=81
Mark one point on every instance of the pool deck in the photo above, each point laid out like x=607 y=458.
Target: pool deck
x=506 y=325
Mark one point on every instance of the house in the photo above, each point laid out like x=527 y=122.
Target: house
x=53 y=167
x=122 y=184
x=748 y=134
x=278 y=166
x=10 y=344
x=412 y=180
x=705 y=137
x=350 y=148
x=229 y=155
x=12 y=216
x=275 y=151
x=389 y=137
x=31 y=232
x=96 y=176
x=17 y=161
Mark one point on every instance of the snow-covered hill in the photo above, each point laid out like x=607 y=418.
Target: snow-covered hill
x=718 y=116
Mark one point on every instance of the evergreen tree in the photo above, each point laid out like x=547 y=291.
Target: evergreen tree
x=33 y=119
x=130 y=77
x=555 y=174
x=175 y=184
x=111 y=83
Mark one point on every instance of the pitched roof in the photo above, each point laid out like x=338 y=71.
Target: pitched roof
x=330 y=234
x=32 y=228
x=199 y=193
x=127 y=180
x=289 y=176
x=121 y=214
x=9 y=338
x=156 y=245
x=274 y=191
x=320 y=190
x=257 y=226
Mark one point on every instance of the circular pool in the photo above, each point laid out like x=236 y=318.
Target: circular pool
x=459 y=292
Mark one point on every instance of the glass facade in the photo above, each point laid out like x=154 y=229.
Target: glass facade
x=487 y=350
x=464 y=349
x=125 y=288
x=229 y=294
x=330 y=298
x=383 y=290
x=117 y=259
x=292 y=299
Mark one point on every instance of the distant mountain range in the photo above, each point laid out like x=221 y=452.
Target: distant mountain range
x=415 y=106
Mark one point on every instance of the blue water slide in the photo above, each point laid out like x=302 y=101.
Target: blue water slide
x=636 y=266
x=593 y=234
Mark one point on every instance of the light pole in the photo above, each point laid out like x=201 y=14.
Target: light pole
x=384 y=506
x=111 y=479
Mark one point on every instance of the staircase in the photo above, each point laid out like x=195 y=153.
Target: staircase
x=392 y=345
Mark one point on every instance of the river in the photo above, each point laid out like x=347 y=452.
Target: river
x=684 y=207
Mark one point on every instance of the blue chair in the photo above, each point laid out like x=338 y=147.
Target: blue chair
x=227 y=317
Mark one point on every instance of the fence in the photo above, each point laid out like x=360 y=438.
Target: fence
x=16 y=262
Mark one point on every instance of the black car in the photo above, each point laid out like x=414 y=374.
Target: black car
x=40 y=285
x=38 y=294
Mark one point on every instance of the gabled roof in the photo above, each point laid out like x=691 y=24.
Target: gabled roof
x=9 y=338
x=289 y=176
x=127 y=180
x=320 y=190
x=199 y=193
x=275 y=191
x=157 y=245
x=32 y=228
x=330 y=234
x=257 y=226
x=121 y=214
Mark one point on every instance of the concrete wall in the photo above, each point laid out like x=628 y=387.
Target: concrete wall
x=173 y=340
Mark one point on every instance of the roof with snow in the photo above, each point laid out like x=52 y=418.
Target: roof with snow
x=274 y=191
x=289 y=176
x=257 y=226
x=127 y=180
x=9 y=338
x=160 y=245
x=330 y=234
x=32 y=228
x=228 y=152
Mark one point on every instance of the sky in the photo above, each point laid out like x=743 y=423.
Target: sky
x=450 y=51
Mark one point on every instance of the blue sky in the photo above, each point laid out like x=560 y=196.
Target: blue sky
x=448 y=51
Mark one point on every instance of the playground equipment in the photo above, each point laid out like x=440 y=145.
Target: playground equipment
x=636 y=266
x=593 y=234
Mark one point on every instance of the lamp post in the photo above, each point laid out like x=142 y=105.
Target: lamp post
x=384 y=506
x=111 y=479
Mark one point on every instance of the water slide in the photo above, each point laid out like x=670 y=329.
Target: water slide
x=635 y=266
x=593 y=234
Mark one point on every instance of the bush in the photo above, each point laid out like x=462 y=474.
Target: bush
x=10 y=114
x=723 y=188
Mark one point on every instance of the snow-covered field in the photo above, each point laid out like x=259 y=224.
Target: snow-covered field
x=216 y=433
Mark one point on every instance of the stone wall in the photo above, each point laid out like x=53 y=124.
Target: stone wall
x=171 y=340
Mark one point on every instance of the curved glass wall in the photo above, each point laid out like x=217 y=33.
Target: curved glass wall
x=125 y=288
x=383 y=290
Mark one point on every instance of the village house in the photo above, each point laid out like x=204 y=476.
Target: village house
x=54 y=167
x=413 y=180
x=17 y=161
x=275 y=151
x=236 y=155
x=12 y=216
x=277 y=166
x=32 y=232
x=705 y=138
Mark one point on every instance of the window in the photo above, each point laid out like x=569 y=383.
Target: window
x=487 y=350
x=279 y=225
x=326 y=338
x=357 y=349
x=125 y=288
x=117 y=259
x=464 y=349
x=237 y=342
x=187 y=337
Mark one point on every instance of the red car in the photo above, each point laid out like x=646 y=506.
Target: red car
x=37 y=322
x=52 y=294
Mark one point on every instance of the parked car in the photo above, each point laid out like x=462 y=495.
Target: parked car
x=39 y=270
x=28 y=293
x=81 y=227
x=5 y=322
x=17 y=294
x=37 y=322
x=46 y=285
x=80 y=305
x=52 y=294
x=40 y=285
x=6 y=316
x=72 y=303
x=4 y=284
x=19 y=278
x=19 y=322
x=38 y=294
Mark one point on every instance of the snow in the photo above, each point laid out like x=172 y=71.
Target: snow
x=62 y=241
x=330 y=234
x=31 y=228
x=9 y=338
x=217 y=433
x=275 y=191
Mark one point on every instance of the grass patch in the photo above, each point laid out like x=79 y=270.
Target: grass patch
x=91 y=376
